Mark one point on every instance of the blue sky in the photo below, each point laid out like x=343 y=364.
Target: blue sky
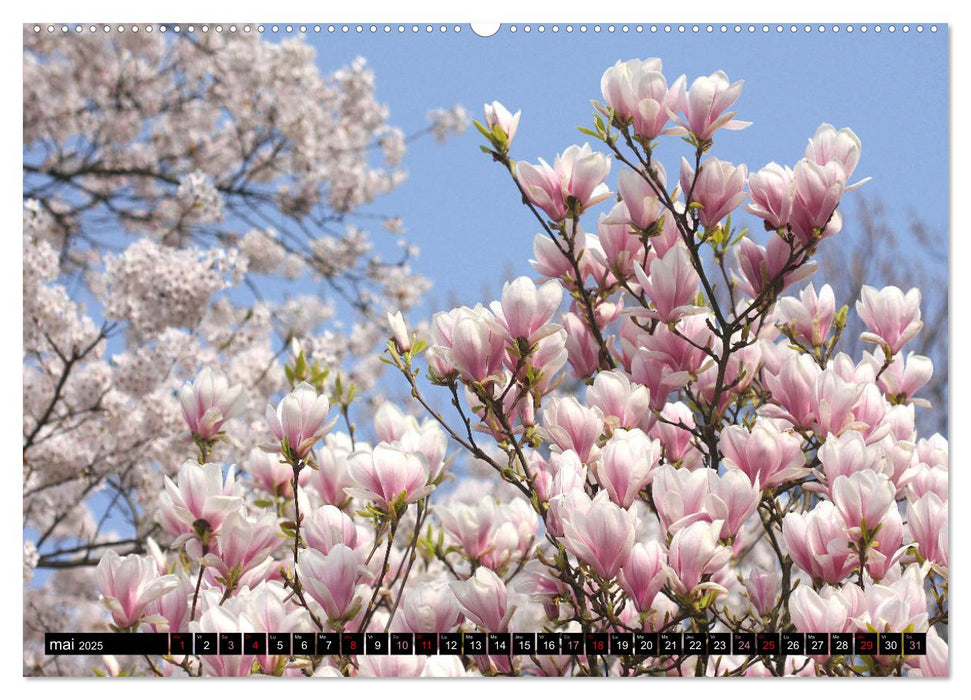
x=461 y=209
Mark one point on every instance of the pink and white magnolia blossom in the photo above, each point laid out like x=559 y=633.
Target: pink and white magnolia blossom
x=623 y=403
x=904 y=378
x=573 y=426
x=399 y=331
x=299 y=421
x=766 y=454
x=843 y=455
x=818 y=543
x=702 y=106
x=128 y=584
x=763 y=268
x=477 y=346
x=208 y=402
x=643 y=207
x=891 y=316
x=327 y=527
x=718 y=188
x=713 y=461
x=831 y=146
x=671 y=286
x=638 y=92
x=792 y=390
x=387 y=475
x=694 y=552
x=526 y=310
x=826 y=611
x=762 y=589
x=927 y=522
x=429 y=607
x=577 y=174
x=269 y=473
x=330 y=478
x=470 y=524
x=428 y=440
x=243 y=547
x=484 y=600
x=497 y=115
x=216 y=619
x=771 y=193
x=811 y=315
x=934 y=664
x=733 y=498
x=331 y=579
x=886 y=550
x=201 y=493
x=896 y=606
x=644 y=574
x=627 y=464
x=819 y=189
x=863 y=498
x=599 y=533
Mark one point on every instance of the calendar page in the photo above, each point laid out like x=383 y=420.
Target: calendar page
x=516 y=350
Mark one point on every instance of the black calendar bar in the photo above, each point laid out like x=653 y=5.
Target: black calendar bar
x=79 y=644
x=637 y=644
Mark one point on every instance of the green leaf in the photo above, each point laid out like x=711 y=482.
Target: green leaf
x=482 y=130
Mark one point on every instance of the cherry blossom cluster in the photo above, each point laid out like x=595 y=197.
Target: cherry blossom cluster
x=185 y=199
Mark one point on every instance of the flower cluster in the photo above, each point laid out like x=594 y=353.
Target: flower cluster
x=662 y=432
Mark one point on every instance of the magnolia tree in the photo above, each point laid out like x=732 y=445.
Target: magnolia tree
x=659 y=434
x=181 y=196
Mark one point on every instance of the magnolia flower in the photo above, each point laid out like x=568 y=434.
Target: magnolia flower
x=243 y=545
x=818 y=190
x=128 y=584
x=484 y=599
x=331 y=579
x=818 y=543
x=644 y=574
x=694 y=552
x=201 y=495
x=891 y=316
x=765 y=454
x=497 y=115
x=927 y=523
x=578 y=174
x=638 y=91
x=299 y=421
x=719 y=188
x=600 y=533
x=572 y=426
x=671 y=287
x=429 y=607
x=762 y=268
x=771 y=192
x=813 y=612
x=863 y=498
x=327 y=527
x=208 y=402
x=703 y=106
x=525 y=309
x=388 y=475
x=623 y=403
x=476 y=348
x=399 y=331
x=831 y=146
x=809 y=316
x=627 y=465
x=763 y=589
